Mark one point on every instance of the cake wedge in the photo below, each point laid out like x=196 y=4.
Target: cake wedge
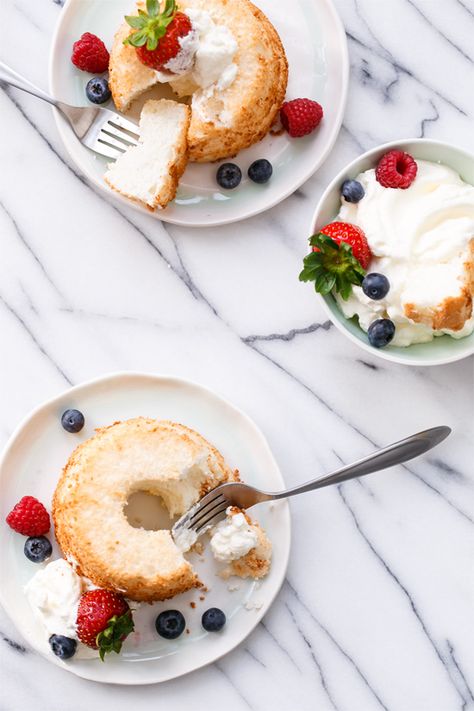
x=149 y=173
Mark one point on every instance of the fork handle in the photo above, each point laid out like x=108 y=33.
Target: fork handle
x=11 y=77
x=396 y=453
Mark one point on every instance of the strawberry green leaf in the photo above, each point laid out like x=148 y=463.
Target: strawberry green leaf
x=170 y=8
x=139 y=39
x=111 y=638
x=151 y=26
x=138 y=23
x=321 y=240
x=152 y=7
x=332 y=267
x=325 y=283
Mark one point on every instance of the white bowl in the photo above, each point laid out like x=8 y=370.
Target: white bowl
x=443 y=349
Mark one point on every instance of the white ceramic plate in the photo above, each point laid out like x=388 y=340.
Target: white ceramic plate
x=316 y=47
x=442 y=349
x=31 y=464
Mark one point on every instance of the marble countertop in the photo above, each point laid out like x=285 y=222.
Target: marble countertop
x=377 y=609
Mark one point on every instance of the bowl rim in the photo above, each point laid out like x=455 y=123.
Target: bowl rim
x=340 y=324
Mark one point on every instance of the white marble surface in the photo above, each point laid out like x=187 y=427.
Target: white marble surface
x=377 y=609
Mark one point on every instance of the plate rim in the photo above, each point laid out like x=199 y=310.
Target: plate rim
x=283 y=559
x=161 y=216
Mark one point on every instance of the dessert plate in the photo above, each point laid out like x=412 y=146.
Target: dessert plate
x=316 y=47
x=31 y=464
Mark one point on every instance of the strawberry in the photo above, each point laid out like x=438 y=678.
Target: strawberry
x=29 y=517
x=156 y=36
x=104 y=620
x=339 y=259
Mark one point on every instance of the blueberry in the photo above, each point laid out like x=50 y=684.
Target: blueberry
x=97 y=90
x=170 y=624
x=229 y=176
x=37 y=548
x=260 y=171
x=375 y=286
x=381 y=332
x=63 y=647
x=72 y=420
x=352 y=191
x=213 y=619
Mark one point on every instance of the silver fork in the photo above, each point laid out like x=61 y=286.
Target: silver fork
x=212 y=507
x=103 y=131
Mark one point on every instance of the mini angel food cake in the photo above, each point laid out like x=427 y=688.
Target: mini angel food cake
x=162 y=458
x=406 y=230
x=225 y=56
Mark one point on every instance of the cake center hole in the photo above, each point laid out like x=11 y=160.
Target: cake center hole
x=145 y=510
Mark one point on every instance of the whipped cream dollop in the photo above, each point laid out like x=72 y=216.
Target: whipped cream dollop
x=53 y=594
x=204 y=65
x=420 y=239
x=233 y=538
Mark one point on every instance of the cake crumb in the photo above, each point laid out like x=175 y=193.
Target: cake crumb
x=253 y=605
x=202 y=597
x=187 y=631
x=192 y=604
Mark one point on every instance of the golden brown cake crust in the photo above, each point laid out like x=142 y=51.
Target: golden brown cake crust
x=254 y=98
x=259 y=101
x=128 y=78
x=453 y=312
x=256 y=563
x=88 y=503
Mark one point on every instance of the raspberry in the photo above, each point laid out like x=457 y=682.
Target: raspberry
x=90 y=54
x=396 y=169
x=29 y=517
x=301 y=116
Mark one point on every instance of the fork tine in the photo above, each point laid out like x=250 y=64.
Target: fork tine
x=122 y=122
x=207 y=499
x=107 y=149
x=207 y=509
x=113 y=130
x=114 y=140
x=212 y=519
x=104 y=137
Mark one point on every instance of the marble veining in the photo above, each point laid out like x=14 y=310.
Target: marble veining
x=376 y=611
